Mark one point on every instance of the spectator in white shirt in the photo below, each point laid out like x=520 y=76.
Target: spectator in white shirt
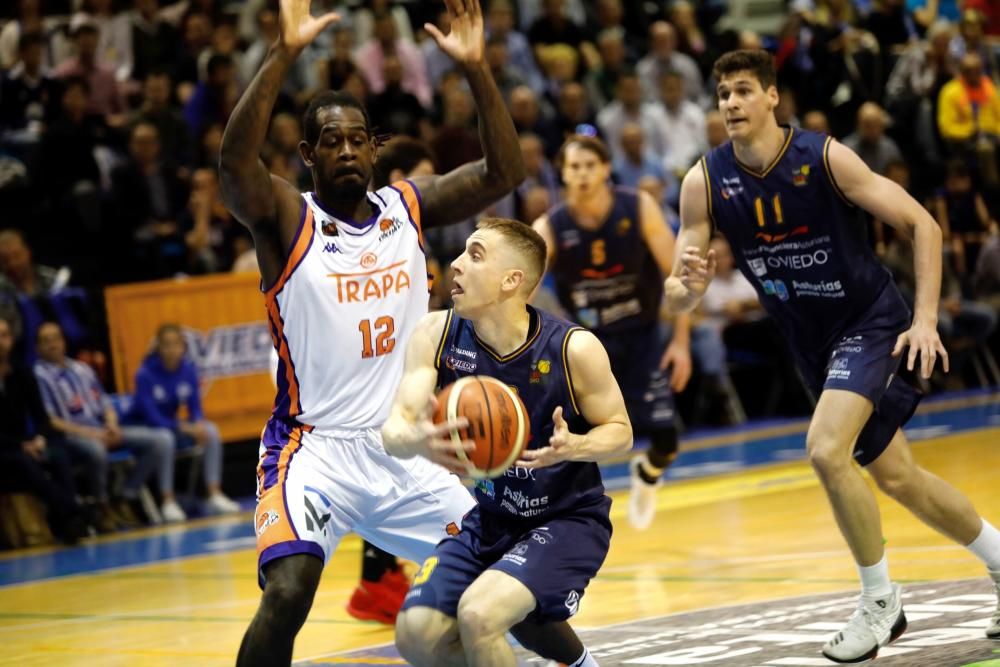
x=663 y=56
x=685 y=124
x=629 y=107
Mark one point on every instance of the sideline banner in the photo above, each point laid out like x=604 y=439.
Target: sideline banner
x=224 y=323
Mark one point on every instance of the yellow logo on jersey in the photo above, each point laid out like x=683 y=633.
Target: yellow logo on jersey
x=623 y=226
x=544 y=366
x=801 y=175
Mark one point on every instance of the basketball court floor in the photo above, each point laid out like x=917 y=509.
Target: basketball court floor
x=743 y=567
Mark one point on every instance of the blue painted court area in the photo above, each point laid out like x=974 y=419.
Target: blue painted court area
x=754 y=445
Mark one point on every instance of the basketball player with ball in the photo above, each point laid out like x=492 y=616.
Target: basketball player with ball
x=541 y=528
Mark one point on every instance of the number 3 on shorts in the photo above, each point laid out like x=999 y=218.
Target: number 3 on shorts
x=425 y=571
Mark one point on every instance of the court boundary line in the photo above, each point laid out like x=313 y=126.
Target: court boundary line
x=657 y=617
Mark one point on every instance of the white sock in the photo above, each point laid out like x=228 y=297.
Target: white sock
x=875 y=579
x=585 y=660
x=987 y=546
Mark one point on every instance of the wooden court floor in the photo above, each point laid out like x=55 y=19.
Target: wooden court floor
x=754 y=535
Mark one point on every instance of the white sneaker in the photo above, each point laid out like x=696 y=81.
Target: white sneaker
x=220 y=503
x=875 y=623
x=641 y=497
x=993 y=631
x=172 y=512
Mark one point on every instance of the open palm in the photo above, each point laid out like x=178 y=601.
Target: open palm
x=298 y=26
x=465 y=43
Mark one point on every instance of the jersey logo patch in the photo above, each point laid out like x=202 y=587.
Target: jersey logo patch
x=623 y=226
x=388 y=227
x=778 y=238
x=368 y=260
x=800 y=176
x=731 y=187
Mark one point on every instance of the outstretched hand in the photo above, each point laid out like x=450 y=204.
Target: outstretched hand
x=697 y=271
x=465 y=42
x=298 y=27
x=923 y=340
x=558 y=450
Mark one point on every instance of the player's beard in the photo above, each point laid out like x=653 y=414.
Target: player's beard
x=351 y=188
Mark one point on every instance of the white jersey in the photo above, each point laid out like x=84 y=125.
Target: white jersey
x=343 y=309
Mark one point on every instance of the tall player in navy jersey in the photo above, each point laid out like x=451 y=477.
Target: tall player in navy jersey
x=609 y=249
x=541 y=531
x=788 y=202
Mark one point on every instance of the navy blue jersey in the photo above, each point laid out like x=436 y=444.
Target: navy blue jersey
x=606 y=278
x=796 y=238
x=538 y=373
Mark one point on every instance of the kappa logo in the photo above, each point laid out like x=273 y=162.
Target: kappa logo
x=331 y=248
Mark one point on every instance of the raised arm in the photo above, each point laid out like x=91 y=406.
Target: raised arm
x=408 y=431
x=266 y=204
x=600 y=402
x=469 y=189
x=888 y=202
x=695 y=265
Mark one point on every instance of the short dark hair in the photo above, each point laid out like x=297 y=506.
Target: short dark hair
x=403 y=153
x=524 y=239
x=329 y=98
x=592 y=144
x=757 y=61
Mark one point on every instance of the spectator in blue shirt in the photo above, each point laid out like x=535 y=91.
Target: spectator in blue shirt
x=166 y=380
x=79 y=408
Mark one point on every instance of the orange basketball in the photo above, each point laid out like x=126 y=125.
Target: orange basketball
x=498 y=422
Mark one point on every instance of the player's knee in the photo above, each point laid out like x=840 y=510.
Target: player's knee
x=286 y=602
x=477 y=621
x=827 y=455
x=419 y=640
x=413 y=639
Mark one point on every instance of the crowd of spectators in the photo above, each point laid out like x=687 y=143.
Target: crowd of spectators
x=112 y=112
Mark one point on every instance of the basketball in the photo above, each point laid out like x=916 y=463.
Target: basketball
x=498 y=423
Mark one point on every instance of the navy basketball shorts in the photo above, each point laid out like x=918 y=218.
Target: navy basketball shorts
x=635 y=362
x=555 y=560
x=860 y=361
